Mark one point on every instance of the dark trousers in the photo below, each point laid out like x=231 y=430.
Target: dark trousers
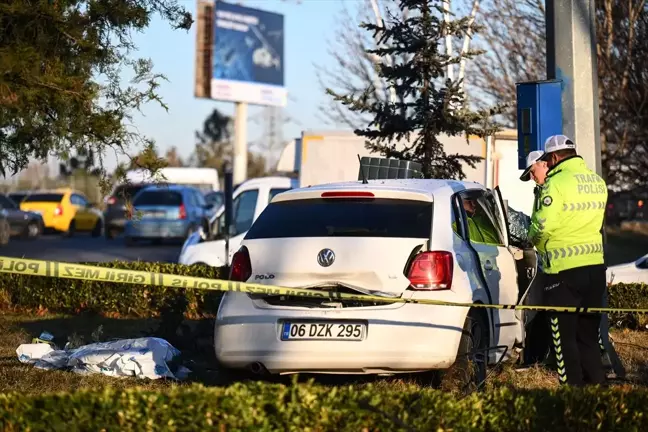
x=575 y=337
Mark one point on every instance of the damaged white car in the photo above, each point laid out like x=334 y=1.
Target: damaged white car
x=417 y=239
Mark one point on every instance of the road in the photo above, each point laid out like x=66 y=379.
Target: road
x=86 y=248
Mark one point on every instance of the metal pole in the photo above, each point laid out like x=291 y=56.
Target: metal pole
x=488 y=175
x=229 y=189
x=240 y=143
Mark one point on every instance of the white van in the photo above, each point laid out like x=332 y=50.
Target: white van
x=205 y=179
x=248 y=201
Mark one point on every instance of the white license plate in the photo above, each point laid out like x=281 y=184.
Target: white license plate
x=323 y=331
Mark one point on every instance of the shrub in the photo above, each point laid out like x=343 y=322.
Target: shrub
x=268 y=407
x=628 y=296
x=73 y=295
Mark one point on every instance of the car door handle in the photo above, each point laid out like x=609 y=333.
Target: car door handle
x=488 y=265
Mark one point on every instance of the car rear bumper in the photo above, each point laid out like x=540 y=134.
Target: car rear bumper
x=156 y=229
x=399 y=338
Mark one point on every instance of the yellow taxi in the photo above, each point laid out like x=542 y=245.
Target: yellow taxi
x=65 y=210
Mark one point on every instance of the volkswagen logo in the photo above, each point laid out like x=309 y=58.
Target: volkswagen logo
x=325 y=257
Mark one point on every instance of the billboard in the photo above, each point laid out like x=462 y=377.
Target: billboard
x=247 y=55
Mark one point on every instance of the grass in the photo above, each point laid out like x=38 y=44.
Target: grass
x=632 y=347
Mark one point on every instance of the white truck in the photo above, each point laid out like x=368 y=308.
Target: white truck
x=205 y=179
x=319 y=157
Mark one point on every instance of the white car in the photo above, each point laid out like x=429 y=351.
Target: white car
x=629 y=273
x=393 y=238
x=248 y=201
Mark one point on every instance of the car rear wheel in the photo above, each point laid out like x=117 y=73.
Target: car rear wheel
x=98 y=228
x=468 y=373
x=109 y=233
x=32 y=230
x=5 y=232
x=71 y=229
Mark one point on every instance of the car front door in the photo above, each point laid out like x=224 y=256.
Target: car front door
x=243 y=212
x=488 y=236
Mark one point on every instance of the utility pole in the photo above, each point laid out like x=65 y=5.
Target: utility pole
x=572 y=58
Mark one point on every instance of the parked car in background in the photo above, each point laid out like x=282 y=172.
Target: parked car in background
x=5 y=230
x=216 y=198
x=248 y=201
x=166 y=212
x=629 y=273
x=116 y=212
x=26 y=224
x=66 y=211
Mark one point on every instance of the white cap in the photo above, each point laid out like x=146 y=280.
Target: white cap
x=557 y=142
x=532 y=158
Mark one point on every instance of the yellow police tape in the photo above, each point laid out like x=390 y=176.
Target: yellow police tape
x=137 y=277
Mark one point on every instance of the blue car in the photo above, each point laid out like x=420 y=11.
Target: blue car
x=162 y=212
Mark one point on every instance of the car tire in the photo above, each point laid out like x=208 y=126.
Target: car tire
x=98 y=229
x=5 y=233
x=71 y=229
x=32 y=231
x=469 y=371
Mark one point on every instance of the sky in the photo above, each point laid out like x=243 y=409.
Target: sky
x=308 y=28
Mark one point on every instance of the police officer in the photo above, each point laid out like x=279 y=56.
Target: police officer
x=539 y=337
x=567 y=231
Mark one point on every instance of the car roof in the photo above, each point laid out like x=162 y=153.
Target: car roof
x=271 y=181
x=425 y=189
x=170 y=187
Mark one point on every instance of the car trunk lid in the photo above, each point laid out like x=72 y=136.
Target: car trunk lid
x=359 y=263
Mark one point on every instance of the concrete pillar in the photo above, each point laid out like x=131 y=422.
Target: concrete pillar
x=240 y=158
x=571 y=57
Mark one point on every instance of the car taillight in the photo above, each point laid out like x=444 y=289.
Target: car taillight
x=182 y=212
x=431 y=271
x=241 y=268
x=112 y=200
x=58 y=211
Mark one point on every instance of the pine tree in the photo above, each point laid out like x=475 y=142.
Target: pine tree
x=428 y=103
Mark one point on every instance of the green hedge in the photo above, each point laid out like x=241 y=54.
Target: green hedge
x=308 y=407
x=70 y=295
x=633 y=296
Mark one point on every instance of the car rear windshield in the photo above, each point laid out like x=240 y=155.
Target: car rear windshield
x=44 y=197
x=158 y=198
x=344 y=218
x=127 y=192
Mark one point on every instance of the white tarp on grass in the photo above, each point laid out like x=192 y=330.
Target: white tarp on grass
x=146 y=357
